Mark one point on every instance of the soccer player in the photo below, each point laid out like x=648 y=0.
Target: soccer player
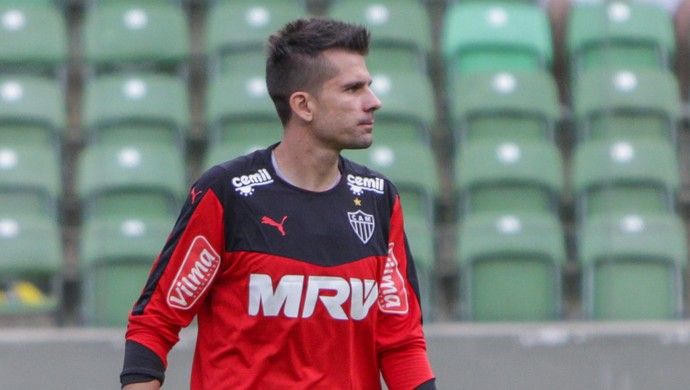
x=293 y=259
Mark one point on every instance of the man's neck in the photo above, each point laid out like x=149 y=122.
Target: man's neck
x=307 y=167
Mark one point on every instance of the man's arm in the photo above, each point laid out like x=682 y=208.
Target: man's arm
x=153 y=385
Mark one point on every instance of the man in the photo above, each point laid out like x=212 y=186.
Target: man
x=292 y=258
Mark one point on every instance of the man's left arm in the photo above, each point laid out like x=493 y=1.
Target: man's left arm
x=401 y=343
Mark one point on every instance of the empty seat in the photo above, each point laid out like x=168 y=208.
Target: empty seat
x=627 y=103
x=626 y=176
x=510 y=267
x=509 y=176
x=32 y=110
x=504 y=105
x=496 y=36
x=30 y=178
x=401 y=34
x=116 y=256
x=619 y=34
x=240 y=115
x=126 y=108
x=129 y=36
x=408 y=110
x=137 y=180
x=236 y=33
x=633 y=266
x=34 y=39
x=30 y=259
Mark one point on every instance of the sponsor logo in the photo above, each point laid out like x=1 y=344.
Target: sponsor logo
x=271 y=222
x=194 y=193
x=360 y=184
x=331 y=292
x=363 y=224
x=392 y=292
x=195 y=275
x=245 y=184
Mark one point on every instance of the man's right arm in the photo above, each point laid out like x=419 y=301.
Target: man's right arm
x=153 y=385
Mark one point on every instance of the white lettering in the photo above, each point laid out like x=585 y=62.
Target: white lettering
x=330 y=291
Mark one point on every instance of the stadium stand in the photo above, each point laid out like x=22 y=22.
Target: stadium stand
x=489 y=107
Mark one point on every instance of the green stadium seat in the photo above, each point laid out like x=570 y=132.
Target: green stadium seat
x=625 y=176
x=642 y=103
x=34 y=39
x=408 y=107
x=509 y=176
x=30 y=257
x=619 y=34
x=401 y=33
x=116 y=256
x=30 y=178
x=510 y=266
x=421 y=238
x=130 y=180
x=486 y=36
x=126 y=36
x=633 y=267
x=504 y=105
x=240 y=115
x=236 y=33
x=131 y=108
x=32 y=111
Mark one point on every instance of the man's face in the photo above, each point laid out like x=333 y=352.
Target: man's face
x=344 y=107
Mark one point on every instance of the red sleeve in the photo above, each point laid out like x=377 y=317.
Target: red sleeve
x=400 y=337
x=182 y=275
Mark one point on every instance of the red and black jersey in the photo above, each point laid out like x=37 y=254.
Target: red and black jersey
x=291 y=288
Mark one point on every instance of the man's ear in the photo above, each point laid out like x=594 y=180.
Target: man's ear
x=301 y=105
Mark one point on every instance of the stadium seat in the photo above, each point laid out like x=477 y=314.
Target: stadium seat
x=32 y=111
x=116 y=256
x=421 y=238
x=401 y=34
x=504 y=105
x=627 y=104
x=131 y=108
x=34 y=39
x=633 y=267
x=30 y=178
x=236 y=33
x=141 y=180
x=510 y=266
x=126 y=36
x=486 y=36
x=31 y=264
x=626 y=176
x=408 y=107
x=618 y=34
x=240 y=114
x=509 y=176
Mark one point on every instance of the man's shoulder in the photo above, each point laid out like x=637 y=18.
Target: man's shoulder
x=254 y=163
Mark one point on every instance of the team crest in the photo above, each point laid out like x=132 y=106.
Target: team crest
x=363 y=224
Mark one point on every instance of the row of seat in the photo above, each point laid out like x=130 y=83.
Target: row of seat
x=476 y=35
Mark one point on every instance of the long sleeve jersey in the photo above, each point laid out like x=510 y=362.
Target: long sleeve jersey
x=290 y=288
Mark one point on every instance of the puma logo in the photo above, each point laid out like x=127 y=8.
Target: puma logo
x=279 y=226
x=194 y=194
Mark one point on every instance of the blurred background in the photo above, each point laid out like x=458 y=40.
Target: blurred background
x=540 y=149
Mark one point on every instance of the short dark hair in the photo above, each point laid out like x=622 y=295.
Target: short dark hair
x=294 y=62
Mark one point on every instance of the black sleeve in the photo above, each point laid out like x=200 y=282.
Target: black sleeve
x=141 y=365
x=428 y=385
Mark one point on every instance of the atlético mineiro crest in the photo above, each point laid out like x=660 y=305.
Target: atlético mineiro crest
x=363 y=224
